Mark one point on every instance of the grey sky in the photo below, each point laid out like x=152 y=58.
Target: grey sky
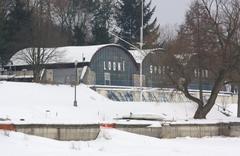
x=171 y=11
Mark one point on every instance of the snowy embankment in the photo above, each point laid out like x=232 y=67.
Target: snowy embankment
x=36 y=103
x=114 y=142
x=23 y=103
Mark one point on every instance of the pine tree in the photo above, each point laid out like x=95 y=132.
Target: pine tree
x=128 y=18
x=17 y=27
x=79 y=35
x=19 y=18
x=3 y=41
x=3 y=32
x=103 y=13
x=79 y=21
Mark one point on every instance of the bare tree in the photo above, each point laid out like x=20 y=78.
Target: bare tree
x=74 y=17
x=38 y=58
x=238 y=111
x=44 y=37
x=211 y=36
x=61 y=12
x=167 y=34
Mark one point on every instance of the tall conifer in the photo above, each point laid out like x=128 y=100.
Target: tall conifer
x=128 y=18
x=102 y=21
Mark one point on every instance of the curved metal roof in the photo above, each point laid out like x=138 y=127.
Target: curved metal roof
x=63 y=54
x=70 y=54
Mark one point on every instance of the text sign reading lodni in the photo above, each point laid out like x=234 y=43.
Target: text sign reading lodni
x=114 y=66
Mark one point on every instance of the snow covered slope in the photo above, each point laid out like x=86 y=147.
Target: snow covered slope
x=37 y=103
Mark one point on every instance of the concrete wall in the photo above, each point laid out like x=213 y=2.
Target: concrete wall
x=194 y=130
x=48 y=77
x=234 y=129
x=61 y=132
x=159 y=95
x=90 y=132
x=142 y=130
x=89 y=77
x=185 y=130
x=136 y=80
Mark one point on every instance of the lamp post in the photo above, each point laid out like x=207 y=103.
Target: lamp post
x=138 y=49
x=238 y=112
x=24 y=72
x=75 y=85
x=141 y=48
x=141 y=52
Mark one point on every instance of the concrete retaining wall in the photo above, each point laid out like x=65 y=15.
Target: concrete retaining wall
x=234 y=129
x=193 y=130
x=142 y=130
x=90 y=132
x=61 y=132
x=182 y=130
x=159 y=95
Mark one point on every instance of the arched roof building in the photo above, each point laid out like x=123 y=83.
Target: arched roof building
x=155 y=69
x=110 y=64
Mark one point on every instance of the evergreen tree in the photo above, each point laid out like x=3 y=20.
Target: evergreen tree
x=3 y=31
x=80 y=19
x=18 y=17
x=79 y=35
x=2 y=40
x=103 y=14
x=128 y=18
x=17 y=28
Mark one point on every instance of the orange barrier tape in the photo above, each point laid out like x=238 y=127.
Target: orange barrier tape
x=112 y=125
x=9 y=127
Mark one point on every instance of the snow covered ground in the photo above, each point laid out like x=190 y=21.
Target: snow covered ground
x=114 y=142
x=37 y=103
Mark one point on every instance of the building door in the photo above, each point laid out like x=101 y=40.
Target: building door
x=107 y=79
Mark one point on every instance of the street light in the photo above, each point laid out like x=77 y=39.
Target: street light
x=141 y=48
x=75 y=86
x=141 y=52
x=138 y=49
x=24 y=72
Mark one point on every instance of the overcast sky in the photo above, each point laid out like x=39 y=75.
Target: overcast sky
x=171 y=11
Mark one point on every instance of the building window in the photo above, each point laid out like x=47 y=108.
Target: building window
x=107 y=79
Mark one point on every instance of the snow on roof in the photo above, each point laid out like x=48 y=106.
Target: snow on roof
x=140 y=55
x=70 y=54
x=79 y=53
x=64 y=54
